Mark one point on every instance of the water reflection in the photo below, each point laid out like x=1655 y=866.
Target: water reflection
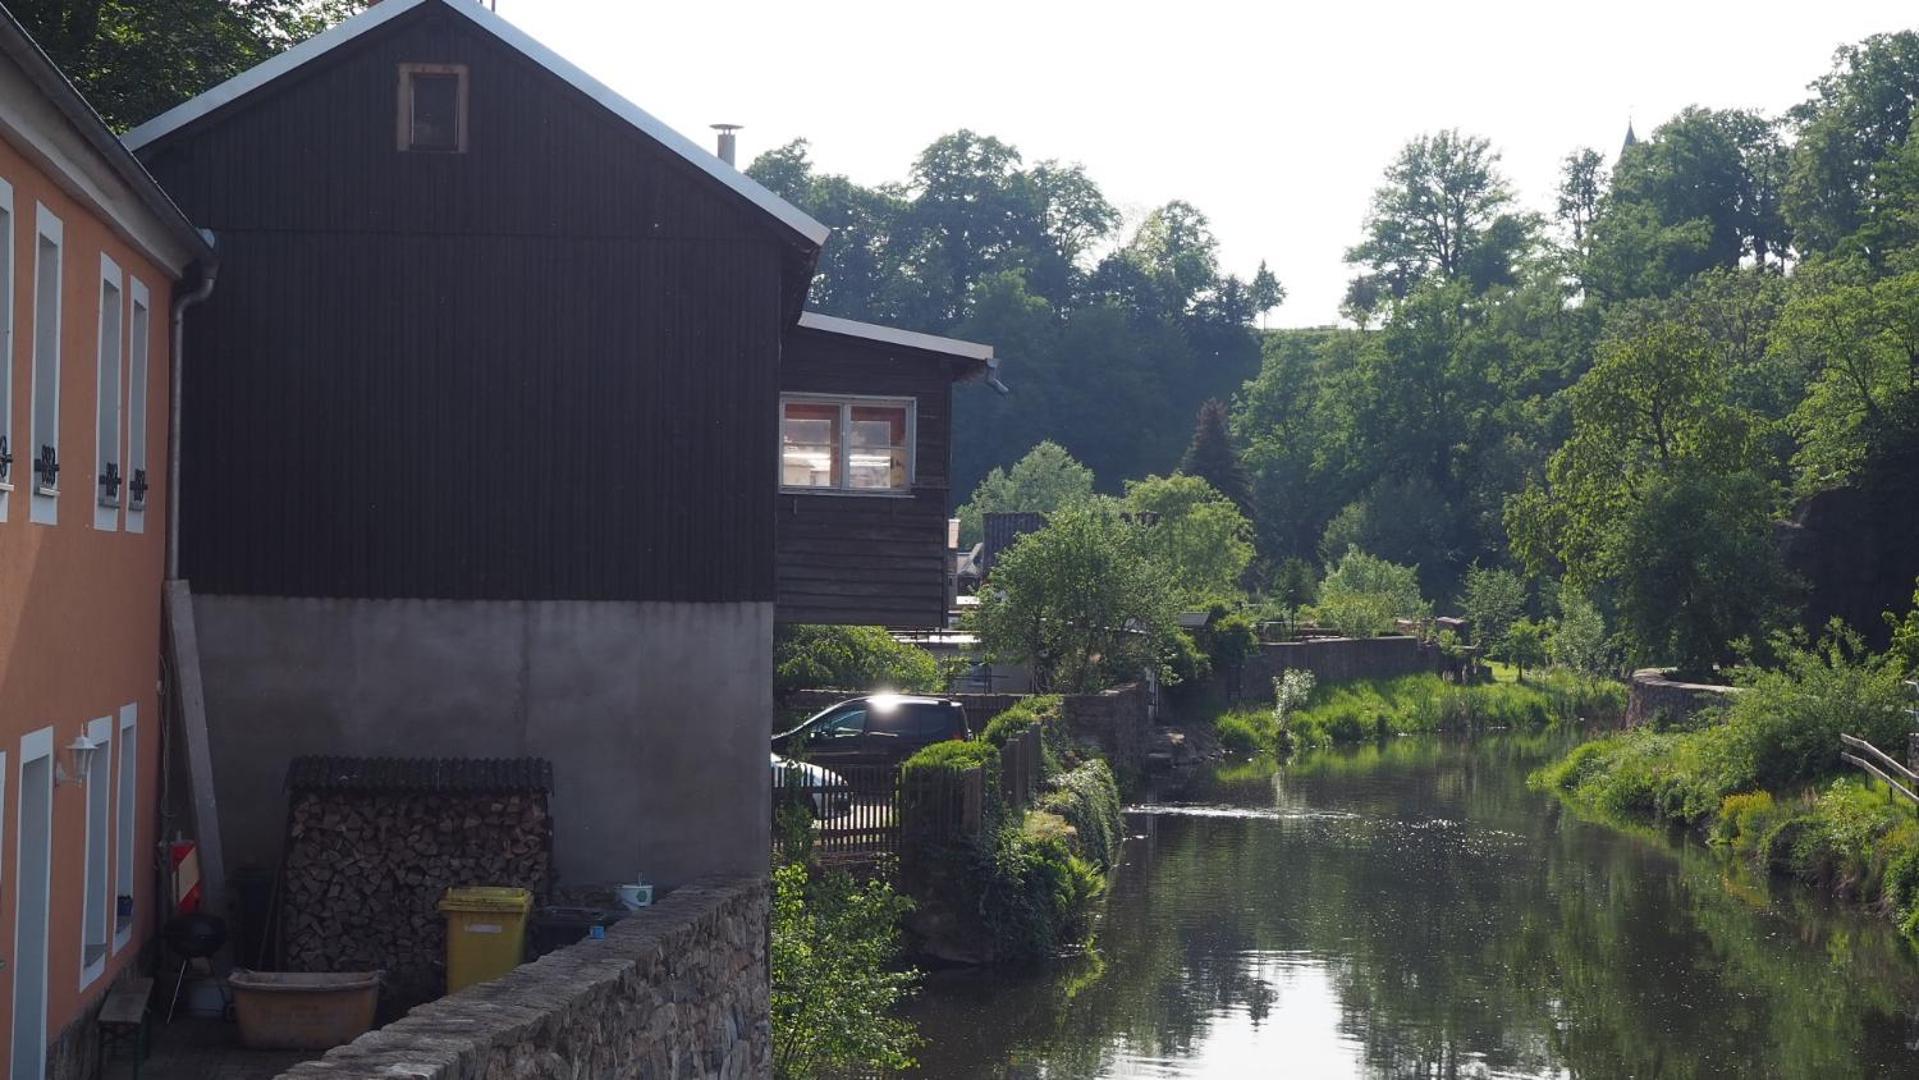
x=1413 y=910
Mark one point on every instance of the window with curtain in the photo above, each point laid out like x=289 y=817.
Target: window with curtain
x=857 y=445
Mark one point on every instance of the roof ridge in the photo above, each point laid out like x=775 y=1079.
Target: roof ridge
x=520 y=41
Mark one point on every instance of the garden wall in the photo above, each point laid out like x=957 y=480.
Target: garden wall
x=1654 y=697
x=1333 y=660
x=677 y=990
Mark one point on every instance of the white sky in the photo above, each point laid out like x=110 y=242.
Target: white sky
x=1274 y=118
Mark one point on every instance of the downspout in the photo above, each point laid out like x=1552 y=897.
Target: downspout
x=209 y=274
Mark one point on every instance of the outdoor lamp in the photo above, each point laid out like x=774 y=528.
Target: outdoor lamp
x=81 y=749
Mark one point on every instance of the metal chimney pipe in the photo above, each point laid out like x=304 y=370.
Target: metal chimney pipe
x=728 y=142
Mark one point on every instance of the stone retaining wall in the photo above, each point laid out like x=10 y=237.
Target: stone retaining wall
x=1333 y=660
x=678 y=990
x=1654 y=697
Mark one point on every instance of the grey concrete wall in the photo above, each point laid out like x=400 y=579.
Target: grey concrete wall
x=654 y=715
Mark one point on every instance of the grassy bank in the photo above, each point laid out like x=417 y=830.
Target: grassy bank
x=1761 y=777
x=1352 y=712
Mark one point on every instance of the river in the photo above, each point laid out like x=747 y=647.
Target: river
x=1413 y=910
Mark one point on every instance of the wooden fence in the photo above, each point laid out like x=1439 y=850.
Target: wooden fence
x=1898 y=777
x=1021 y=765
x=854 y=809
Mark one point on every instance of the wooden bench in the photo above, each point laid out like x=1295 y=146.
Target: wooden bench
x=123 y=1022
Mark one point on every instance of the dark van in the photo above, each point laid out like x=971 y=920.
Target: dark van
x=881 y=729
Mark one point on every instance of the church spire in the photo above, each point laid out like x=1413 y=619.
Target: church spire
x=1632 y=140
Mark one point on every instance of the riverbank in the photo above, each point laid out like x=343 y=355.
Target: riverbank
x=1760 y=778
x=1358 y=710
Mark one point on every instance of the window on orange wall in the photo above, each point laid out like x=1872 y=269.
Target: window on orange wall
x=44 y=444
x=108 y=481
x=126 y=765
x=96 y=909
x=139 y=333
x=855 y=445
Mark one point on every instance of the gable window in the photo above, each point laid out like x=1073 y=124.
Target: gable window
x=432 y=114
x=6 y=345
x=860 y=445
x=107 y=478
x=44 y=445
x=139 y=329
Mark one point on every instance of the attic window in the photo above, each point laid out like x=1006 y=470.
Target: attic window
x=432 y=115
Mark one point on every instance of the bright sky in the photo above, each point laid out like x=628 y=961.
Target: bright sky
x=1275 y=119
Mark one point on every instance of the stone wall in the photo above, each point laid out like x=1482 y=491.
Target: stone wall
x=677 y=990
x=1653 y=697
x=1334 y=660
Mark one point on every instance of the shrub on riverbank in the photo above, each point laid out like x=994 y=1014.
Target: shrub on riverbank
x=1757 y=775
x=835 y=982
x=1029 y=883
x=1422 y=704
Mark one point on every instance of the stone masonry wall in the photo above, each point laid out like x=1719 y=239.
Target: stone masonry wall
x=678 y=990
x=1653 y=697
x=1334 y=660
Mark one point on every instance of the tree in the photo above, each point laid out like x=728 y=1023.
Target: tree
x=1579 y=640
x=1851 y=134
x=1203 y=544
x=134 y=59
x=1860 y=342
x=1582 y=183
x=1697 y=569
x=1524 y=645
x=1045 y=480
x=1081 y=600
x=1719 y=168
x=1441 y=213
x=1905 y=633
x=1211 y=456
x=1364 y=596
x=1266 y=292
x=835 y=983
x=862 y=658
x=1495 y=599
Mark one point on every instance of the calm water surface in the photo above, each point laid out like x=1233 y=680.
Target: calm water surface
x=1414 y=911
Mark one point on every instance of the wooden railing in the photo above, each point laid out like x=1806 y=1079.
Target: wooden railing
x=1875 y=761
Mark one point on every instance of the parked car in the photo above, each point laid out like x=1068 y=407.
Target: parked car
x=828 y=791
x=880 y=729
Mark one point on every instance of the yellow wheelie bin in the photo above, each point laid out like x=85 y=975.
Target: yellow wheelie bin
x=485 y=932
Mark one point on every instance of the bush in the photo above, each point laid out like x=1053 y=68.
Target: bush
x=1087 y=798
x=1422 y=704
x=953 y=756
x=1246 y=731
x=835 y=986
x=1041 y=712
x=864 y=658
x=1363 y=596
x=1037 y=895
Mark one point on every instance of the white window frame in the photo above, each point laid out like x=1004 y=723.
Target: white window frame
x=96 y=923
x=126 y=828
x=7 y=281
x=45 y=509
x=108 y=413
x=846 y=403
x=139 y=395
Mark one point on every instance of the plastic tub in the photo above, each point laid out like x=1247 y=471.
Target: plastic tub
x=287 y=1010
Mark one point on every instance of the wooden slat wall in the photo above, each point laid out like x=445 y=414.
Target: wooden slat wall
x=869 y=560
x=543 y=369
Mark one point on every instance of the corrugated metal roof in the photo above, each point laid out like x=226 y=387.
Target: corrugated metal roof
x=422 y=775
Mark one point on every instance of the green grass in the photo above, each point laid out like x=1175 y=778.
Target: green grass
x=1352 y=712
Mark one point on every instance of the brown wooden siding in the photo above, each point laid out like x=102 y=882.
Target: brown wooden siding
x=545 y=368
x=869 y=560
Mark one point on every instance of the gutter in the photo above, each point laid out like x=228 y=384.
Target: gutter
x=209 y=275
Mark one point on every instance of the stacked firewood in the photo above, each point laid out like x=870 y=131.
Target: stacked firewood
x=367 y=863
